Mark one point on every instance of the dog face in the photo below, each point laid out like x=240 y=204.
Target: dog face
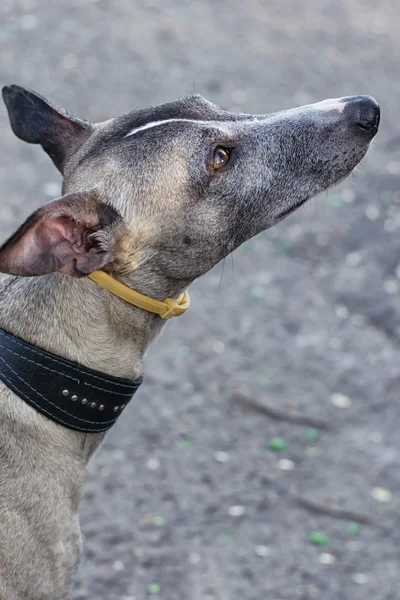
x=173 y=189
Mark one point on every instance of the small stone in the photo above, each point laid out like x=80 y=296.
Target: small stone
x=153 y=464
x=218 y=347
x=390 y=225
x=381 y=494
x=318 y=538
x=159 y=521
x=277 y=444
x=360 y=578
x=312 y=434
x=118 y=565
x=333 y=500
x=372 y=212
x=194 y=558
x=340 y=400
x=290 y=405
x=342 y=312
x=285 y=464
x=354 y=259
x=236 y=511
x=262 y=551
x=153 y=588
x=29 y=22
x=391 y=286
x=353 y=528
x=348 y=195
x=326 y=559
x=222 y=457
x=393 y=167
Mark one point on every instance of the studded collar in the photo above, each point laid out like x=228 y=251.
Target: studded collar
x=63 y=391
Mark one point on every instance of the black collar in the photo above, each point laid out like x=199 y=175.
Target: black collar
x=65 y=392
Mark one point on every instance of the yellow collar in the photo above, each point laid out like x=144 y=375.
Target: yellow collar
x=170 y=307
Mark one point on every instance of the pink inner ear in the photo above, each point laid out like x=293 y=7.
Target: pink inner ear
x=58 y=237
x=47 y=246
x=65 y=227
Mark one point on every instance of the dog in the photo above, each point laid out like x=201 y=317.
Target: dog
x=151 y=200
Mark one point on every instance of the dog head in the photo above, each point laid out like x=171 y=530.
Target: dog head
x=169 y=191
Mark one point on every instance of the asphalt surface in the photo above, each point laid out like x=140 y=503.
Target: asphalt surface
x=186 y=500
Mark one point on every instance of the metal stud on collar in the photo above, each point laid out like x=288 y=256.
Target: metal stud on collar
x=93 y=405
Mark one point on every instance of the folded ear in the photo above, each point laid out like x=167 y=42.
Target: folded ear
x=37 y=121
x=75 y=234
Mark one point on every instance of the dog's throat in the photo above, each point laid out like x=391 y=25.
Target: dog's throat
x=70 y=394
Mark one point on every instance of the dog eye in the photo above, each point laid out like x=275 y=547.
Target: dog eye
x=220 y=158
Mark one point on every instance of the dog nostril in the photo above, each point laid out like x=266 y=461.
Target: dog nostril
x=364 y=112
x=369 y=119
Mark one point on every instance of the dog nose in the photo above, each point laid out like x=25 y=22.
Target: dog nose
x=363 y=112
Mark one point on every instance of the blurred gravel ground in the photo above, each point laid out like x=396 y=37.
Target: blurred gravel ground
x=185 y=501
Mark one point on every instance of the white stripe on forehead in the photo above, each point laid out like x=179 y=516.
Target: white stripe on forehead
x=158 y=123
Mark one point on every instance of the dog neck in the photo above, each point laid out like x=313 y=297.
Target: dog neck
x=78 y=320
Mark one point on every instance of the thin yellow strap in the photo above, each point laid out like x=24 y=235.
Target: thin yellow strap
x=170 y=307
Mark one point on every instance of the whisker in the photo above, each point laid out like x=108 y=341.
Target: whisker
x=222 y=276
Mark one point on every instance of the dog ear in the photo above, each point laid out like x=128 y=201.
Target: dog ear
x=75 y=234
x=37 y=121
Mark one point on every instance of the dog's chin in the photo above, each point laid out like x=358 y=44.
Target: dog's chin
x=290 y=210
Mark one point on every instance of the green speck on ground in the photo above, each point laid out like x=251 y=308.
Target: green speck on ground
x=159 y=521
x=263 y=382
x=353 y=546
x=336 y=201
x=312 y=434
x=312 y=451
x=153 y=588
x=277 y=444
x=318 y=538
x=353 y=528
x=282 y=248
x=257 y=293
x=186 y=442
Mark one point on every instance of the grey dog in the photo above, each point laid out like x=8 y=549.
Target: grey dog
x=156 y=198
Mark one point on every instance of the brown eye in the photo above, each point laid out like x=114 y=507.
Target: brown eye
x=220 y=158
